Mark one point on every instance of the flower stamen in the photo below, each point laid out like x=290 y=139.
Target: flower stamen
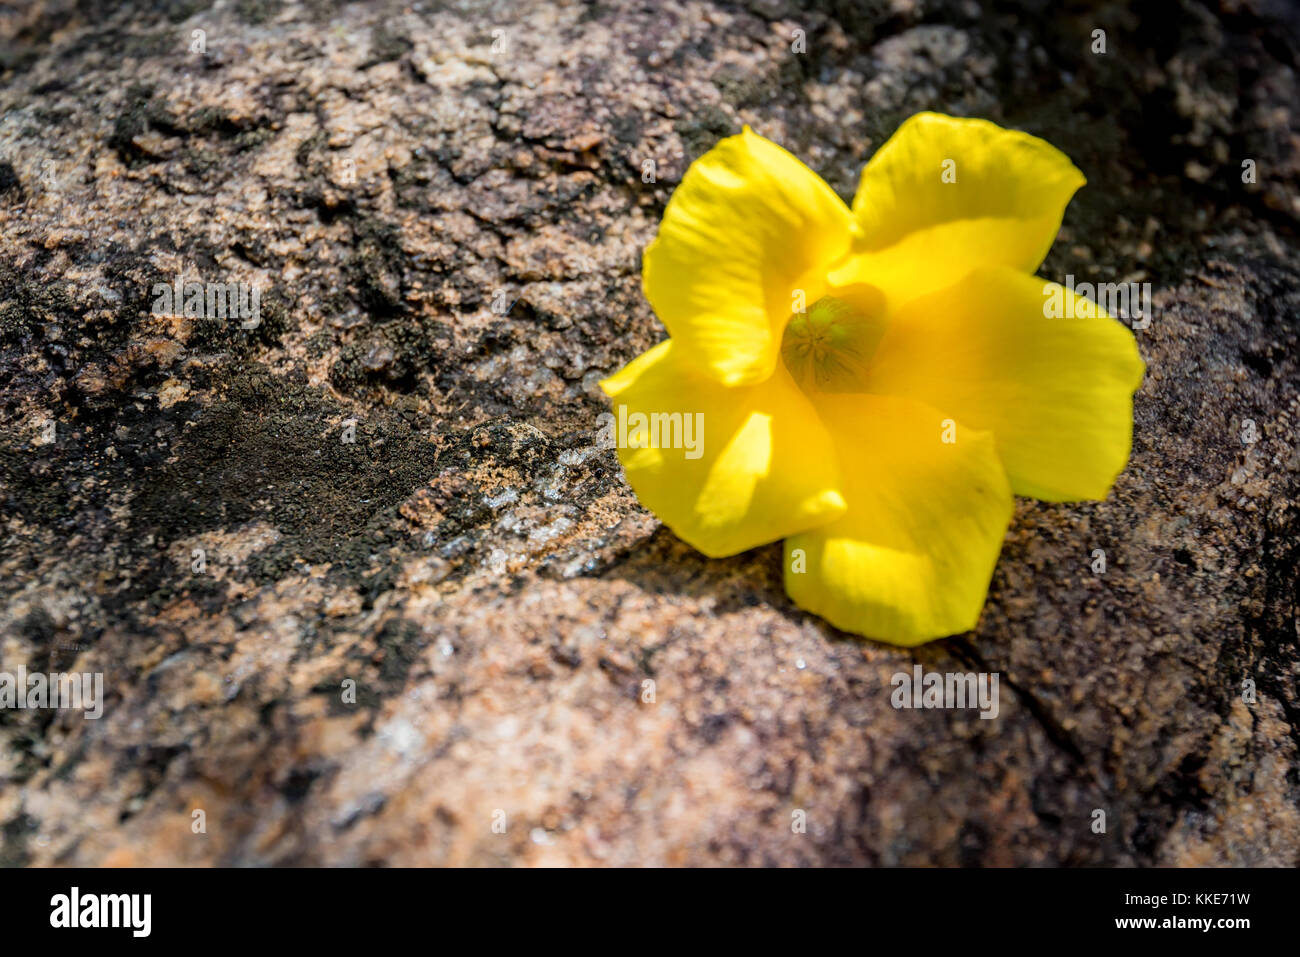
x=826 y=348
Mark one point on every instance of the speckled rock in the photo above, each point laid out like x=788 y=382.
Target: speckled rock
x=364 y=584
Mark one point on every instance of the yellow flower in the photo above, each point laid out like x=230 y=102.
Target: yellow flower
x=874 y=384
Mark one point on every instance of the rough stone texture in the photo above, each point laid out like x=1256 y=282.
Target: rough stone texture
x=476 y=564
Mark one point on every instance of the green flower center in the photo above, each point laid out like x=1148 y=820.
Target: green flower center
x=827 y=347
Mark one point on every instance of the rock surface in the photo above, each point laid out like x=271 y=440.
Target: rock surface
x=431 y=645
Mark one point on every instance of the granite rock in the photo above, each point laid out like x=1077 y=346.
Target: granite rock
x=362 y=581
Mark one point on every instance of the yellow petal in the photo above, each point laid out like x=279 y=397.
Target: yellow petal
x=945 y=195
x=755 y=465
x=912 y=557
x=747 y=228
x=1056 y=392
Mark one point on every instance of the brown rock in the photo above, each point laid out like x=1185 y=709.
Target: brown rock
x=456 y=638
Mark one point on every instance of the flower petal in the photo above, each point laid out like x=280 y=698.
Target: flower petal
x=756 y=466
x=1057 y=393
x=945 y=195
x=912 y=557
x=747 y=227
